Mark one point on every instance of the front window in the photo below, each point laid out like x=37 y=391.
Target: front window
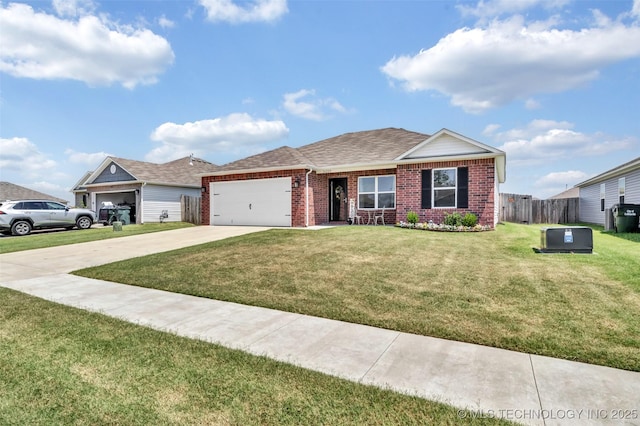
x=444 y=188
x=377 y=192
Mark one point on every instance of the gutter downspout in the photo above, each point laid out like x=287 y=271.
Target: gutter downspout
x=306 y=188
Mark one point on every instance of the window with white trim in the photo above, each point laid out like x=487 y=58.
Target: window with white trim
x=444 y=187
x=621 y=190
x=377 y=192
x=603 y=196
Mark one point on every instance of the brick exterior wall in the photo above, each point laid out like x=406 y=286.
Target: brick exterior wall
x=481 y=190
x=408 y=191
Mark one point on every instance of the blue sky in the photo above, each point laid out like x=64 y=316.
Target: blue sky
x=555 y=84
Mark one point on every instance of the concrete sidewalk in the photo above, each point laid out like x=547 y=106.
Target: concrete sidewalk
x=524 y=388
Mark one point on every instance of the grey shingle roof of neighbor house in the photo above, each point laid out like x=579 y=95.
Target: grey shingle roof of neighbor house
x=366 y=147
x=569 y=193
x=11 y=191
x=177 y=172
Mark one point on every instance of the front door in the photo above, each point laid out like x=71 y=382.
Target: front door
x=338 y=200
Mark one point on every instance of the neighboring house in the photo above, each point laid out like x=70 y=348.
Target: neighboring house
x=569 y=193
x=329 y=180
x=11 y=191
x=618 y=185
x=147 y=188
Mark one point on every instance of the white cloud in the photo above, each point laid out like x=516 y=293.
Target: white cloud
x=556 y=182
x=507 y=60
x=86 y=158
x=255 y=11
x=21 y=156
x=490 y=129
x=494 y=8
x=164 y=22
x=311 y=108
x=531 y=104
x=72 y=8
x=561 y=179
x=544 y=141
x=90 y=49
x=236 y=133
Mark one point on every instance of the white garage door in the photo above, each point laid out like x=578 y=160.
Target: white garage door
x=262 y=202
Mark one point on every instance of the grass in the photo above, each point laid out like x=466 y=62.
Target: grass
x=488 y=288
x=62 y=237
x=62 y=366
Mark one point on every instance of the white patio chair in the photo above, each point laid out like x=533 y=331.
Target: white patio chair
x=357 y=219
x=378 y=215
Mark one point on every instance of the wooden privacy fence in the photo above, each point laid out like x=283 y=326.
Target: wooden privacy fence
x=190 y=209
x=524 y=209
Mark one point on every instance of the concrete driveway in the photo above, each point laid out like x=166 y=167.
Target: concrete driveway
x=64 y=259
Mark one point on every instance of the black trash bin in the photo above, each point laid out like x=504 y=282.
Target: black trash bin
x=625 y=217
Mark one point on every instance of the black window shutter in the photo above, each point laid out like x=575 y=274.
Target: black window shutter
x=426 y=189
x=463 y=187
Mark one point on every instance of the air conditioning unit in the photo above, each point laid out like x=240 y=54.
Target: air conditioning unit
x=568 y=239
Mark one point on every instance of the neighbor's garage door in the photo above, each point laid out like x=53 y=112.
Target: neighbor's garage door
x=263 y=202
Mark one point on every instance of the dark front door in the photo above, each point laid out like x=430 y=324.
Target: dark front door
x=338 y=201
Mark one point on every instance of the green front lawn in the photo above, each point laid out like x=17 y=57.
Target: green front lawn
x=52 y=238
x=64 y=366
x=488 y=288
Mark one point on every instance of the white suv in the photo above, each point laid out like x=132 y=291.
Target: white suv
x=19 y=217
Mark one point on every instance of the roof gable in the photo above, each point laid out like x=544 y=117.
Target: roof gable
x=446 y=143
x=113 y=172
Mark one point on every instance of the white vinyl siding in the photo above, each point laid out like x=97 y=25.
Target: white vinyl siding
x=446 y=145
x=590 y=196
x=156 y=198
x=590 y=205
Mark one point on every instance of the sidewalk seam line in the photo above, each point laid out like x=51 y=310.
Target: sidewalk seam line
x=373 y=364
x=295 y=319
x=535 y=382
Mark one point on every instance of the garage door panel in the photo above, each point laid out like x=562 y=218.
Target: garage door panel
x=261 y=202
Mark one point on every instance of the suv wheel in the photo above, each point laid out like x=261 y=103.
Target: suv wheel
x=21 y=227
x=84 y=222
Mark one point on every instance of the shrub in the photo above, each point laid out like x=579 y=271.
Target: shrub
x=453 y=219
x=469 y=220
x=412 y=217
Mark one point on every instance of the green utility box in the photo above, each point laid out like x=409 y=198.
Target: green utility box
x=625 y=217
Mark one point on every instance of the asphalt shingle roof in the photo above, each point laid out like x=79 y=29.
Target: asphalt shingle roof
x=284 y=156
x=366 y=147
x=177 y=172
x=370 y=146
x=11 y=191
